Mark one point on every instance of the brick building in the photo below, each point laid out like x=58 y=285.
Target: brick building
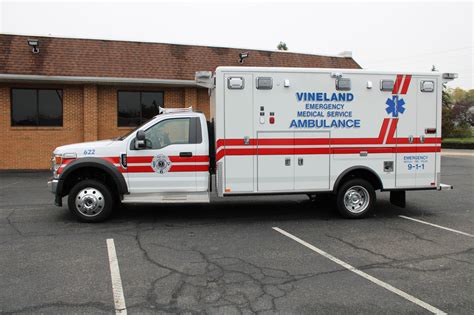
x=75 y=90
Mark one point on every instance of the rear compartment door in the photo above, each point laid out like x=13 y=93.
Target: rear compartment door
x=402 y=108
x=416 y=146
x=275 y=161
x=426 y=133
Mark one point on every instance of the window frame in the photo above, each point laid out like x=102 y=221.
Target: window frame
x=37 y=125
x=142 y=121
x=196 y=138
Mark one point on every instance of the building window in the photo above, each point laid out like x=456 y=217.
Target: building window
x=37 y=107
x=134 y=108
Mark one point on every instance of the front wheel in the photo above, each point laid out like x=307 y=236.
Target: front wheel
x=91 y=201
x=355 y=198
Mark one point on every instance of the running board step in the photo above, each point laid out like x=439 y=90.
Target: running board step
x=171 y=197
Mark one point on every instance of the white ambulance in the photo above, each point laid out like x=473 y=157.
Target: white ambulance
x=273 y=131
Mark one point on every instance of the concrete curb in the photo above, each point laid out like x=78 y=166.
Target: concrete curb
x=451 y=152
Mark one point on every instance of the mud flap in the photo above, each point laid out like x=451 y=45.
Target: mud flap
x=398 y=198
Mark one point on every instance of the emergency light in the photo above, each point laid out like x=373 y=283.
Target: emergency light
x=450 y=76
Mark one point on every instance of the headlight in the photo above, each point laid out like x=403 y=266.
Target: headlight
x=56 y=161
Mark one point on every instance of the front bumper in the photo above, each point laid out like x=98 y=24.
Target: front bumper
x=53 y=185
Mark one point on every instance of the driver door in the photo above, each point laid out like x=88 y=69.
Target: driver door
x=167 y=162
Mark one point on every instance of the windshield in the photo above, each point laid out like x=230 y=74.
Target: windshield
x=132 y=131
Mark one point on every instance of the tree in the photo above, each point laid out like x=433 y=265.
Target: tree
x=463 y=107
x=458 y=112
x=282 y=46
x=447 y=122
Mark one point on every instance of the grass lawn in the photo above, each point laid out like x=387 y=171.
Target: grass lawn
x=459 y=140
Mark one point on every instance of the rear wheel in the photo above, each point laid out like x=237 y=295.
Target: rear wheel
x=91 y=201
x=355 y=198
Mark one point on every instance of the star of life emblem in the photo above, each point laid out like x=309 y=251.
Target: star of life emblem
x=395 y=106
x=161 y=164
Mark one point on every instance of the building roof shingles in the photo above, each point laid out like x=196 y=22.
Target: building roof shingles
x=122 y=59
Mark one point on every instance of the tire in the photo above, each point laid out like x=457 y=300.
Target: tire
x=91 y=201
x=355 y=198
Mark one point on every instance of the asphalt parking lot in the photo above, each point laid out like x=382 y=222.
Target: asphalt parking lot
x=252 y=255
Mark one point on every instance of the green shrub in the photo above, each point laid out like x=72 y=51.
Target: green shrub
x=461 y=131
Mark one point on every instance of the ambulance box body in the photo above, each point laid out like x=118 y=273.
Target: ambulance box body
x=299 y=130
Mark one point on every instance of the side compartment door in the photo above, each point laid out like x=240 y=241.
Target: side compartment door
x=427 y=134
x=238 y=125
x=311 y=161
x=275 y=165
x=167 y=164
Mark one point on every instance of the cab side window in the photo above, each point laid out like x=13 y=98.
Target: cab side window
x=173 y=131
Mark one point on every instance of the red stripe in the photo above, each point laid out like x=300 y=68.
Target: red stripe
x=189 y=168
x=174 y=168
x=239 y=152
x=383 y=130
x=220 y=155
x=391 y=132
x=432 y=140
x=276 y=141
x=312 y=151
x=397 y=84
x=417 y=141
x=113 y=160
x=197 y=158
x=139 y=159
x=348 y=150
x=229 y=142
x=274 y=151
x=177 y=159
x=359 y=150
x=406 y=84
x=64 y=162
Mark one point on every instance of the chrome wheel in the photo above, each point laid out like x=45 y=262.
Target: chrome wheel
x=90 y=202
x=356 y=199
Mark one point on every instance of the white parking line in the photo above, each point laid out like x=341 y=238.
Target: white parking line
x=378 y=282
x=436 y=225
x=117 y=288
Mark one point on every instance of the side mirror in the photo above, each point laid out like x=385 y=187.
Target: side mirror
x=140 y=142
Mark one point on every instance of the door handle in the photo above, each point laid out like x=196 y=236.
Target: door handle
x=422 y=139
x=185 y=154
x=287 y=161
x=300 y=161
x=410 y=139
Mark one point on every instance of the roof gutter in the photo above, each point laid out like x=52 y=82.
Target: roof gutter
x=25 y=78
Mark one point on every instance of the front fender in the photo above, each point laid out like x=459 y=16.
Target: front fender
x=90 y=162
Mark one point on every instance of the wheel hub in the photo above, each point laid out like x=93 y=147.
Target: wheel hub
x=90 y=201
x=356 y=199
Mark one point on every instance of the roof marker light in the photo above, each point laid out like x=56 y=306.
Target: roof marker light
x=450 y=76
